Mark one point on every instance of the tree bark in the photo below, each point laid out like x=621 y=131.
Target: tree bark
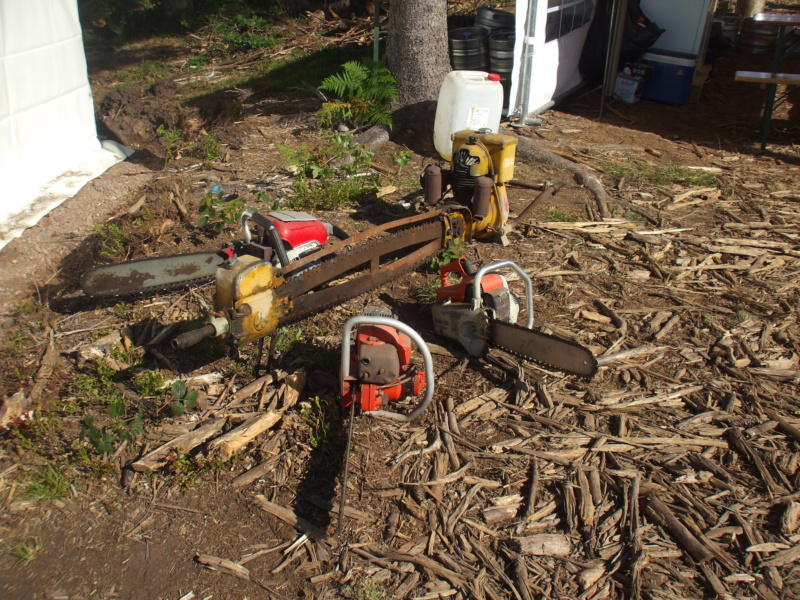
x=750 y=8
x=416 y=48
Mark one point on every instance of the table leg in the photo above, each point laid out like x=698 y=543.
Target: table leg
x=772 y=89
x=766 y=122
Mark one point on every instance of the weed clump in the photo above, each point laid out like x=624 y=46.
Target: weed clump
x=638 y=174
x=330 y=178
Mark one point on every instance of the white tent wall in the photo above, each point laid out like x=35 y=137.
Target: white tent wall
x=48 y=138
x=545 y=71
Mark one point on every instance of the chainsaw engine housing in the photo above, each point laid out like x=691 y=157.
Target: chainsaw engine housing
x=453 y=314
x=381 y=369
x=299 y=232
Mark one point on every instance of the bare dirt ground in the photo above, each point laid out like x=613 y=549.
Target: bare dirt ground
x=672 y=474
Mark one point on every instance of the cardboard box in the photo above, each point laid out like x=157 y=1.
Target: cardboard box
x=628 y=88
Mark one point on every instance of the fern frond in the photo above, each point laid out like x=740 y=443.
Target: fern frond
x=364 y=93
x=348 y=83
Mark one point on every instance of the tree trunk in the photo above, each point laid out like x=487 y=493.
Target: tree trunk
x=750 y=8
x=416 y=49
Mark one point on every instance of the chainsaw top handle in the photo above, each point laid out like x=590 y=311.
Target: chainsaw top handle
x=423 y=348
x=269 y=227
x=477 y=301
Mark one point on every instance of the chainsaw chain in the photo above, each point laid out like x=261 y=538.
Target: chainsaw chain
x=368 y=248
x=552 y=337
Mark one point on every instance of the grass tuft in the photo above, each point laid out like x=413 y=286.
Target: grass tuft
x=560 y=216
x=27 y=550
x=47 y=484
x=638 y=174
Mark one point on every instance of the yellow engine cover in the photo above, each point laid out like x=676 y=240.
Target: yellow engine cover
x=502 y=150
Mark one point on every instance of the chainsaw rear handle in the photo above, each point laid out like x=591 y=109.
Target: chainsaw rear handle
x=272 y=232
x=461 y=267
x=344 y=368
x=477 y=301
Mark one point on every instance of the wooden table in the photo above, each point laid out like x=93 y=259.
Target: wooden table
x=784 y=22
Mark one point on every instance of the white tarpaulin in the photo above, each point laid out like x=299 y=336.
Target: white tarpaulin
x=549 y=41
x=48 y=140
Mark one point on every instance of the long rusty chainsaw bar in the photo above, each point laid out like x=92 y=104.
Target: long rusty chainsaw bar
x=255 y=298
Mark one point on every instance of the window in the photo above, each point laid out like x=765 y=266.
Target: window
x=565 y=16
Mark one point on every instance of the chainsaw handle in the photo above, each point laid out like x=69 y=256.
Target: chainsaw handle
x=344 y=368
x=457 y=267
x=272 y=232
x=477 y=301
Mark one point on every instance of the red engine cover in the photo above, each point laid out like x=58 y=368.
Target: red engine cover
x=297 y=228
x=371 y=389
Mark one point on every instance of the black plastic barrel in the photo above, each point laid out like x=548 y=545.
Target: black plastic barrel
x=501 y=58
x=493 y=18
x=468 y=49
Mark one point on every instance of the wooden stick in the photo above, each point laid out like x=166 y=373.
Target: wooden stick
x=533 y=491
x=288 y=516
x=660 y=513
x=785 y=426
x=158 y=457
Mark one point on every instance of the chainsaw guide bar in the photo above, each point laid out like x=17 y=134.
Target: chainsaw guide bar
x=147 y=275
x=542 y=348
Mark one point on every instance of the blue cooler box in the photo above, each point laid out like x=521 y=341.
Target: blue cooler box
x=672 y=76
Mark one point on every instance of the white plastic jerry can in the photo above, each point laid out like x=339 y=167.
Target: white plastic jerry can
x=467 y=100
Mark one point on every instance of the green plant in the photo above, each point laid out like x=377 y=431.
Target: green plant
x=25 y=306
x=560 y=216
x=196 y=62
x=149 y=383
x=96 y=385
x=427 y=293
x=219 y=212
x=638 y=174
x=453 y=252
x=364 y=91
x=363 y=589
x=210 y=147
x=47 y=484
x=242 y=32
x=16 y=342
x=319 y=427
x=288 y=337
x=151 y=70
x=318 y=184
x=173 y=143
x=113 y=242
x=103 y=438
x=401 y=159
x=99 y=437
x=634 y=216
x=187 y=468
x=27 y=550
x=183 y=399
